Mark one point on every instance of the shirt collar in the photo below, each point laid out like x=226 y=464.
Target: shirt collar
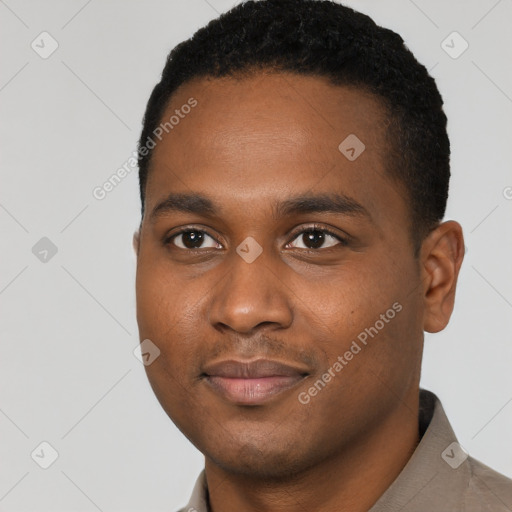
x=430 y=479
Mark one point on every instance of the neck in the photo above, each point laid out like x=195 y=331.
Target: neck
x=352 y=480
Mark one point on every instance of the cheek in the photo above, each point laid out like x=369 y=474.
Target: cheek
x=164 y=318
x=168 y=313
x=348 y=299
x=152 y=303
x=158 y=297
x=159 y=317
x=369 y=303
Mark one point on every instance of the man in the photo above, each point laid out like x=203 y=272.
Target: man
x=294 y=169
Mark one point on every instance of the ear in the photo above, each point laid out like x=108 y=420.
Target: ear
x=136 y=241
x=442 y=253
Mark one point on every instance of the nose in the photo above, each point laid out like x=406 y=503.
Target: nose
x=251 y=294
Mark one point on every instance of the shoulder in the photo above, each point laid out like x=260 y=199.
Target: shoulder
x=487 y=489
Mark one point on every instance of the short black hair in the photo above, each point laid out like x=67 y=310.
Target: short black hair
x=325 y=39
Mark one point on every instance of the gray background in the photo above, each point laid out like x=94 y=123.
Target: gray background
x=68 y=373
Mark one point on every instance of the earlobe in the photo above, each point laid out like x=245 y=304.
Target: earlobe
x=136 y=242
x=442 y=254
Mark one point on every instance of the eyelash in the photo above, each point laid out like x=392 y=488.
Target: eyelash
x=294 y=235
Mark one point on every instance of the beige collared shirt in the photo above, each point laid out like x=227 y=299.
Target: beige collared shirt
x=439 y=476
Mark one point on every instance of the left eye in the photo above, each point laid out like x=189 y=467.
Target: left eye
x=314 y=238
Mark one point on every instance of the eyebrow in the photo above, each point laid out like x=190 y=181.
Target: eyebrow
x=204 y=206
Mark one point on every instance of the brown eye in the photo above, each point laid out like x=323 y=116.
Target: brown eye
x=315 y=238
x=192 y=239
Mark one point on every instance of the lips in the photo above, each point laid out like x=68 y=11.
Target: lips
x=254 y=382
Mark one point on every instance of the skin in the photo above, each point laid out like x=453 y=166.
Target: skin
x=250 y=142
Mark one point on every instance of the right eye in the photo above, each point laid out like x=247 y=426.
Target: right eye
x=191 y=239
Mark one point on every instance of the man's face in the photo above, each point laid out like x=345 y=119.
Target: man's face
x=252 y=146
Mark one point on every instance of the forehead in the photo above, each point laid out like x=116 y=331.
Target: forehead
x=261 y=135
x=272 y=109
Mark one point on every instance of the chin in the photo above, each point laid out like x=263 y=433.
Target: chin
x=261 y=462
